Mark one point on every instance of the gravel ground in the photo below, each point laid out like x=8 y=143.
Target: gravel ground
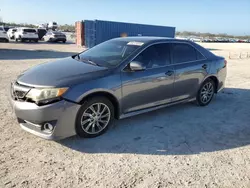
x=180 y=146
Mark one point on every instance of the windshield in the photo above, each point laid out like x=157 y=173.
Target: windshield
x=110 y=53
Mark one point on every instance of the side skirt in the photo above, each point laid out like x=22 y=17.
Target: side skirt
x=134 y=113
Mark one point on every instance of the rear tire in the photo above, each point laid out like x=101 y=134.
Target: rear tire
x=206 y=92
x=94 y=117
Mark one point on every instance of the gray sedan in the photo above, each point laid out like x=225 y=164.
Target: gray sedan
x=54 y=36
x=116 y=79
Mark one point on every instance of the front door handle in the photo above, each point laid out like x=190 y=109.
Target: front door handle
x=169 y=73
x=204 y=66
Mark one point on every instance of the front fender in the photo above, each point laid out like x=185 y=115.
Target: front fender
x=110 y=84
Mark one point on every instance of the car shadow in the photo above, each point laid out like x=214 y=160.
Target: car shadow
x=17 y=54
x=177 y=130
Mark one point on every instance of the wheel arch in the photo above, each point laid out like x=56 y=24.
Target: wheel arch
x=106 y=94
x=215 y=80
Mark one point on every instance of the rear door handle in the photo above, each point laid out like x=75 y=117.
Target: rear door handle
x=169 y=73
x=204 y=66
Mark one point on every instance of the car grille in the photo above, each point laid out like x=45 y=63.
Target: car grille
x=18 y=92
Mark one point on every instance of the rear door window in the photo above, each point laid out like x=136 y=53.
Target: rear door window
x=183 y=53
x=199 y=55
x=154 y=56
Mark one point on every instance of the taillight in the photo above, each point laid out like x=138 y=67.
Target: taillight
x=225 y=62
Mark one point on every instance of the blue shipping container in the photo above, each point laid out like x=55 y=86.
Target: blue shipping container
x=97 y=31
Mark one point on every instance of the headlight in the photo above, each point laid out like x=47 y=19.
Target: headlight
x=44 y=94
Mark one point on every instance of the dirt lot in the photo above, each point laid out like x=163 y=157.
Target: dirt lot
x=180 y=146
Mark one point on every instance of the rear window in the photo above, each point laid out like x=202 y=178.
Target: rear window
x=57 y=33
x=6 y=28
x=29 y=30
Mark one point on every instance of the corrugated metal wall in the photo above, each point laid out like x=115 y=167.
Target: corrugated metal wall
x=97 y=31
x=90 y=33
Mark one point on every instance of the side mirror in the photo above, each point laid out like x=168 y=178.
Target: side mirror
x=136 y=66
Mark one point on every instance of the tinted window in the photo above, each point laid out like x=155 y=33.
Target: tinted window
x=29 y=30
x=1 y=29
x=157 y=55
x=6 y=28
x=199 y=55
x=183 y=53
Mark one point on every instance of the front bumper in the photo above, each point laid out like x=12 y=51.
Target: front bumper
x=60 y=114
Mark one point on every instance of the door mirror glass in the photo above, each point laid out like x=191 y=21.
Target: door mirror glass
x=136 y=66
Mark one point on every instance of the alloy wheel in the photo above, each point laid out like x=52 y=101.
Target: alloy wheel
x=95 y=118
x=207 y=92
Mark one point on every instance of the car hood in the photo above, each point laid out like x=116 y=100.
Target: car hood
x=64 y=72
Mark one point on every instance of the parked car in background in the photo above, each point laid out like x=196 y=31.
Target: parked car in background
x=41 y=32
x=3 y=35
x=55 y=36
x=11 y=33
x=119 y=78
x=26 y=34
x=6 y=27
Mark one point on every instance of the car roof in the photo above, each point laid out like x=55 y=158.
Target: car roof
x=148 y=39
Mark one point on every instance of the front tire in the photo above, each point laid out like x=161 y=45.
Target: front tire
x=94 y=117
x=205 y=93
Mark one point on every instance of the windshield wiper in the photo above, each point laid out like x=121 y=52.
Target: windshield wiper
x=76 y=55
x=90 y=62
